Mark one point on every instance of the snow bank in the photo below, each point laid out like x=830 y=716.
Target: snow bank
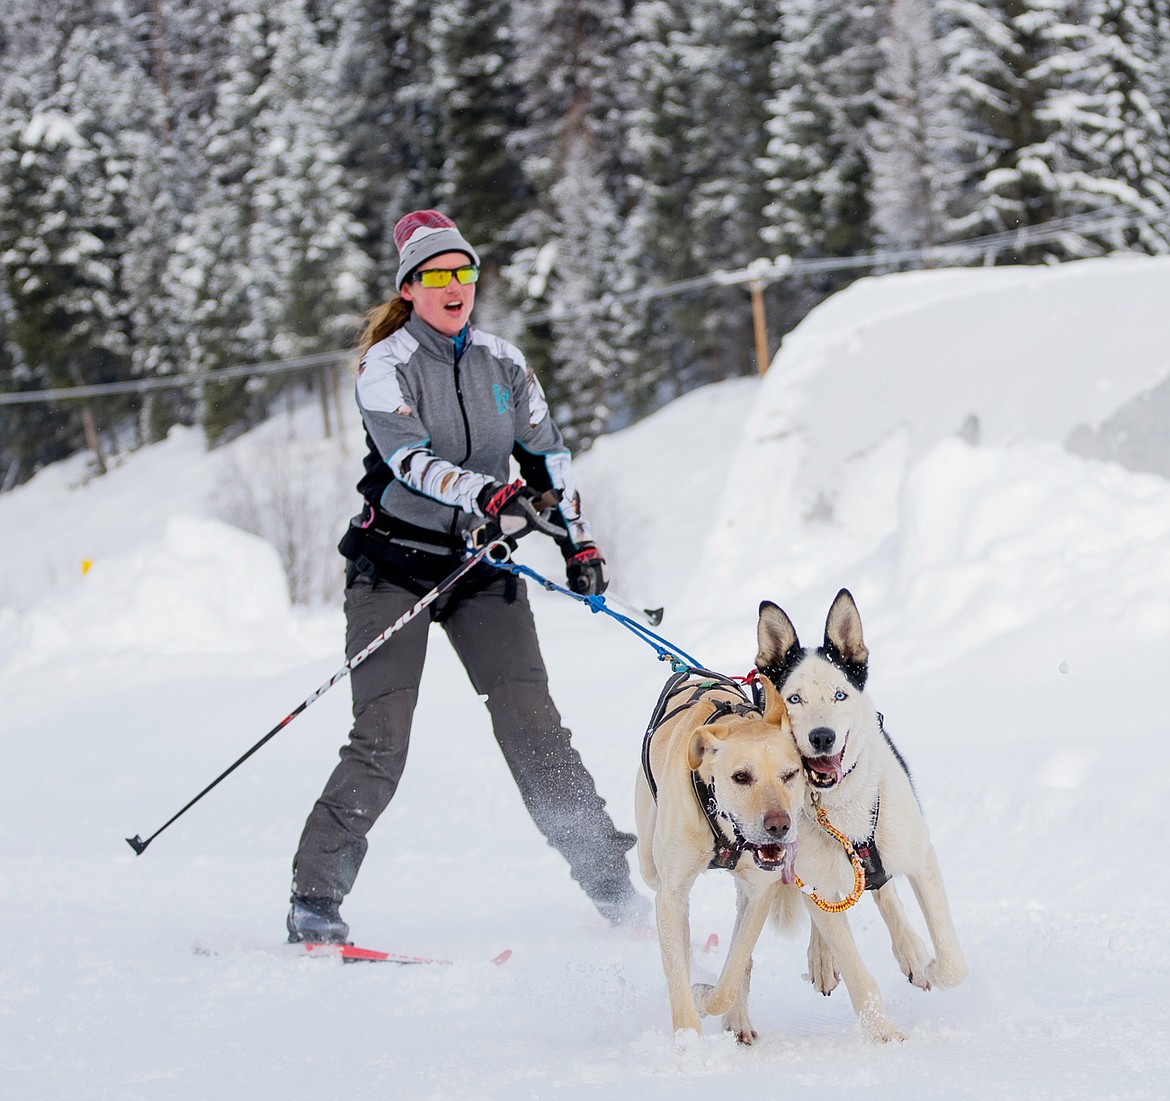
x=204 y=587
x=907 y=441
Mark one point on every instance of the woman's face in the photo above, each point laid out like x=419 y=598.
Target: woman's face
x=445 y=309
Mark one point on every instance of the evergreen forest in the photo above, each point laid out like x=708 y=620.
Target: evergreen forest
x=190 y=187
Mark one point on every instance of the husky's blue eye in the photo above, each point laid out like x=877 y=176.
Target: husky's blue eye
x=839 y=695
x=794 y=699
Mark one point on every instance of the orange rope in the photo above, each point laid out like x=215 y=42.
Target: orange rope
x=858 y=871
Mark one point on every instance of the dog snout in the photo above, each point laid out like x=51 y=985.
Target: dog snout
x=777 y=824
x=822 y=740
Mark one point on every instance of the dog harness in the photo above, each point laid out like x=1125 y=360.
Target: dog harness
x=867 y=852
x=726 y=852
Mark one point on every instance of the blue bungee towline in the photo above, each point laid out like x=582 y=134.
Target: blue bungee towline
x=726 y=853
x=680 y=661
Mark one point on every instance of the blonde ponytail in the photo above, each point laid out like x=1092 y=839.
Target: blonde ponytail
x=382 y=320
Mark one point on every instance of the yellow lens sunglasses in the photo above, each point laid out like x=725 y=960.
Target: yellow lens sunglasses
x=441 y=277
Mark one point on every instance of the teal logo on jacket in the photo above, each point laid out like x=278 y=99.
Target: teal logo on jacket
x=503 y=398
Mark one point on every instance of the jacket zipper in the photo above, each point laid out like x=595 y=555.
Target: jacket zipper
x=466 y=432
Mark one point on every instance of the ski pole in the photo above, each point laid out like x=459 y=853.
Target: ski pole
x=485 y=552
x=653 y=616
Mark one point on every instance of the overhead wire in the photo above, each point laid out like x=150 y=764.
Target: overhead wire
x=1113 y=217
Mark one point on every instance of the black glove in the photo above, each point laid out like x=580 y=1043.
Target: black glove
x=586 y=571
x=514 y=508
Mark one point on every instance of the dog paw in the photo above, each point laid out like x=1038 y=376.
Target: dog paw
x=822 y=970
x=737 y=1023
x=876 y=1025
x=701 y=992
x=947 y=974
x=919 y=980
x=823 y=979
x=883 y=1032
x=687 y=1036
x=914 y=962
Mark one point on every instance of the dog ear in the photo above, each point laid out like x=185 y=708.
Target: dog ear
x=703 y=743
x=777 y=639
x=843 y=637
x=775 y=710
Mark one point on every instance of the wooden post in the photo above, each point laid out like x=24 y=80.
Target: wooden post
x=335 y=373
x=760 y=322
x=92 y=439
x=88 y=421
x=323 y=390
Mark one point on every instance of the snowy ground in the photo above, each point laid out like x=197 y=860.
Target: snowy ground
x=1016 y=600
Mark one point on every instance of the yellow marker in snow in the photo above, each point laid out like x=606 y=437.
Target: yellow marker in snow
x=85 y=564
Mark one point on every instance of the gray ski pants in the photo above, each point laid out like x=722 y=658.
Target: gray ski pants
x=495 y=638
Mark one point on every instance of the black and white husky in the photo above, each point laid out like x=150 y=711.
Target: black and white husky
x=857 y=774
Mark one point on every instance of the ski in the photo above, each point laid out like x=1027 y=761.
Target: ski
x=352 y=953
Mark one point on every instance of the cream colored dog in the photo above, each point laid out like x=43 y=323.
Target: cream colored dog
x=721 y=786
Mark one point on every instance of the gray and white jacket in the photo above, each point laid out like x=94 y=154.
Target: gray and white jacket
x=445 y=428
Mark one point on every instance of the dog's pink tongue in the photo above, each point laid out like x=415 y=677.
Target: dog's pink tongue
x=788 y=868
x=829 y=766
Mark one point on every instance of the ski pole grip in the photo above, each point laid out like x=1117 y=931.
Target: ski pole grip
x=137 y=844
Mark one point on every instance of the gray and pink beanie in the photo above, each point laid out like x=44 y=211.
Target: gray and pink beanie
x=423 y=234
